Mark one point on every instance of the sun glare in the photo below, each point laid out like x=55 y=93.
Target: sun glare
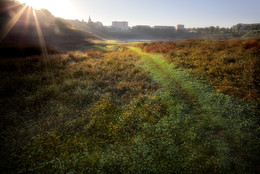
x=58 y=8
x=38 y=4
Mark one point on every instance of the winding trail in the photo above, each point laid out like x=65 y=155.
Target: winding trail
x=173 y=88
x=197 y=95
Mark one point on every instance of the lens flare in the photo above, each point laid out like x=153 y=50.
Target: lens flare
x=59 y=8
x=25 y=9
x=37 y=4
x=40 y=35
x=28 y=15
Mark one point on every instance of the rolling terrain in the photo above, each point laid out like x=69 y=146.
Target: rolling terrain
x=25 y=31
x=117 y=109
x=72 y=102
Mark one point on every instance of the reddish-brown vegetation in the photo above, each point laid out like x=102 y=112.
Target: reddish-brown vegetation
x=231 y=66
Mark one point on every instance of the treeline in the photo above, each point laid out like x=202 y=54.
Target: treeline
x=246 y=27
x=235 y=28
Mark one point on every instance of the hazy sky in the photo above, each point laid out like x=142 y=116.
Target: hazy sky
x=191 y=13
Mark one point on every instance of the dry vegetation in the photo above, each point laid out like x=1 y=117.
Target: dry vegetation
x=231 y=66
x=41 y=95
x=112 y=110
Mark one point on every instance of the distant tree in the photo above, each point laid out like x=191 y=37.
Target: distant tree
x=211 y=29
x=216 y=30
x=223 y=30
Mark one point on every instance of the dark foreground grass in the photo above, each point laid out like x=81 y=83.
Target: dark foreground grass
x=102 y=112
x=40 y=97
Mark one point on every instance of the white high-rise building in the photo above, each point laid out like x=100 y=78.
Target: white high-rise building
x=180 y=27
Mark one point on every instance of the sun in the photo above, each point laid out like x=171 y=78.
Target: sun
x=59 y=8
x=38 y=4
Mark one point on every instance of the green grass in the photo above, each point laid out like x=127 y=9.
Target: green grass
x=232 y=66
x=226 y=121
x=116 y=110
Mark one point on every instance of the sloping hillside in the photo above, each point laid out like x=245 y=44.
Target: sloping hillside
x=23 y=36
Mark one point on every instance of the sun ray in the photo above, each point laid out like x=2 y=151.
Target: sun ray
x=11 y=23
x=40 y=35
x=8 y=27
x=28 y=16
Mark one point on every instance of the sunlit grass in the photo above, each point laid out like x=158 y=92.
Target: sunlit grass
x=117 y=111
x=75 y=83
x=231 y=66
x=110 y=109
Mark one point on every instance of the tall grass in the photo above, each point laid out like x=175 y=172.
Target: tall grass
x=39 y=96
x=231 y=66
x=225 y=128
x=118 y=111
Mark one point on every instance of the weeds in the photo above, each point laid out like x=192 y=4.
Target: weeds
x=108 y=111
x=231 y=66
x=50 y=93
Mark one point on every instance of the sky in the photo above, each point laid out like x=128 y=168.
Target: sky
x=191 y=13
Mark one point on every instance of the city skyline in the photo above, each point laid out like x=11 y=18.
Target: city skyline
x=199 y=13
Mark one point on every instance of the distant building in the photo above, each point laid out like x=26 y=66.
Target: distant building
x=164 y=28
x=89 y=20
x=191 y=30
x=94 y=24
x=98 y=24
x=120 y=26
x=141 y=28
x=180 y=27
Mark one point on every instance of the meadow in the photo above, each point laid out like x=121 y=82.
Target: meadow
x=232 y=66
x=117 y=109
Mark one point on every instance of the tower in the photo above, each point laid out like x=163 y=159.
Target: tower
x=89 y=20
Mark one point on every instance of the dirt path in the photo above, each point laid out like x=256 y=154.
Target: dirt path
x=161 y=72
x=198 y=96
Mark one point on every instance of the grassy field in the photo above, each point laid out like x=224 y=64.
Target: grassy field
x=117 y=109
x=231 y=66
